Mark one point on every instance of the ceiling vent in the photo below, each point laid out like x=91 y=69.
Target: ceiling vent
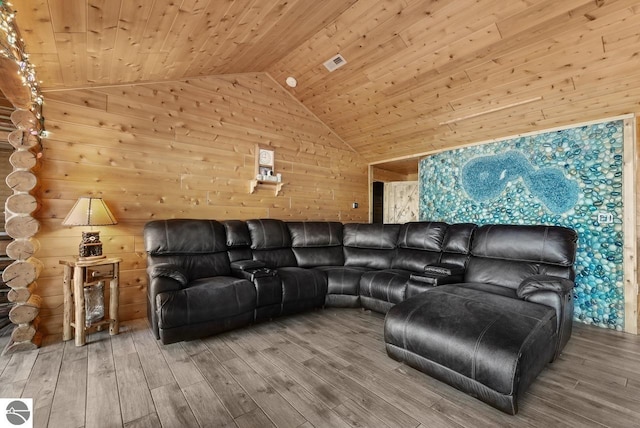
x=335 y=62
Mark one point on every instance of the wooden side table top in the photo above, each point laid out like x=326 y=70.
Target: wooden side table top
x=74 y=262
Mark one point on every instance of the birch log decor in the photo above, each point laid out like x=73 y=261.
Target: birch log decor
x=21 y=275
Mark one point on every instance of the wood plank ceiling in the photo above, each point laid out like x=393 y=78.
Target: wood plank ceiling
x=420 y=75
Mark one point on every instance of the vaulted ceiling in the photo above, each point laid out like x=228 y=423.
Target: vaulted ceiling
x=420 y=75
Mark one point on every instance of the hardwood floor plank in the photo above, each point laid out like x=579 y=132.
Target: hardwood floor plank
x=153 y=363
x=547 y=414
x=309 y=407
x=232 y=395
x=180 y=364
x=135 y=397
x=254 y=419
x=219 y=348
x=103 y=404
x=608 y=414
x=149 y=421
x=13 y=389
x=206 y=406
x=172 y=408
x=41 y=385
x=243 y=346
x=391 y=415
x=316 y=385
x=274 y=406
x=278 y=341
x=418 y=406
x=19 y=366
x=122 y=343
x=69 y=400
x=358 y=417
x=193 y=347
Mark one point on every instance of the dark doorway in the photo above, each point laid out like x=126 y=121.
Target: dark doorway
x=378 y=201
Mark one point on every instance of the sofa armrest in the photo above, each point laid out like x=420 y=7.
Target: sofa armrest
x=538 y=283
x=555 y=292
x=444 y=270
x=171 y=276
x=251 y=269
x=422 y=282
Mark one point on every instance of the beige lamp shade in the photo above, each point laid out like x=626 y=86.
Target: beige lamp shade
x=89 y=212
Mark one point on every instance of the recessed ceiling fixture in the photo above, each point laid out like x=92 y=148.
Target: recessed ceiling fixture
x=291 y=82
x=335 y=62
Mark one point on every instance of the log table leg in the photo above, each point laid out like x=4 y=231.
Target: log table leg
x=114 y=327
x=68 y=303
x=78 y=297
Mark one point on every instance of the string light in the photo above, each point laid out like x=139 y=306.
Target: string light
x=12 y=47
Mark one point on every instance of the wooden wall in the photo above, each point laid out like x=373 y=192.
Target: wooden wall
x=182 y=149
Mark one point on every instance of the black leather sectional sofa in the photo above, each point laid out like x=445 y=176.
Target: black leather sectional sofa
x=481 y=308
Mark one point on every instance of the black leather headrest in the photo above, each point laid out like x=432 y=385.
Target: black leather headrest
x=538 y=244
x=315 y=233
x=422 y=235
x=268 y=234
x=458 y=238
x=380 y=236
x=184 y=236
x=237 y=233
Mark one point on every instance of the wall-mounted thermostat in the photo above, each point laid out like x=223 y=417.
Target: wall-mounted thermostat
x=605 y=218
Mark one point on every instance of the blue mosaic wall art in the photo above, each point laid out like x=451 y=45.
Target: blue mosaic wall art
x=563 y=178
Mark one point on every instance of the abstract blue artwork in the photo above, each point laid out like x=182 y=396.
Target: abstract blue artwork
x=566 y=178
x=486 y=177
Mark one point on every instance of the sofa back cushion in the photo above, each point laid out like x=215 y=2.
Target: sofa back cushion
x=271 y=242
x=507 y=254
x=419 y=244
x=198 y=247
x=238 y=240
x=317 y=243
x=370 y=245
x=457 y=244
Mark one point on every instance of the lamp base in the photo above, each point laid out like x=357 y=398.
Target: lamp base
x=90 y=247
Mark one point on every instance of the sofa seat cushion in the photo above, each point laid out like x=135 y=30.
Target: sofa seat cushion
x=343 y=279
x=388 y=285
x=343 y=285
x=300 y=284
x=205 y=299
x=488 y=345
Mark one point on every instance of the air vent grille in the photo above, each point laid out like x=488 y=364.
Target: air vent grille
x=335 y=62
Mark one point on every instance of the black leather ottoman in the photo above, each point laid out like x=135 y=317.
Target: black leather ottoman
x=488 y=345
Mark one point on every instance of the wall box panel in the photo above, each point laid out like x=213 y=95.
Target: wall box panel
x=570 y=177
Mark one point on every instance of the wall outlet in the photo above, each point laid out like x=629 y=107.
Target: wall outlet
x=355 y=205
x=605 y=218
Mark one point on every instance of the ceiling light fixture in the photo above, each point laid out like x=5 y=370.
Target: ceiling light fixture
x=291 y=82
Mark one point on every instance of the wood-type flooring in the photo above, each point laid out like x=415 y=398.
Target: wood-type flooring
x=325 y=368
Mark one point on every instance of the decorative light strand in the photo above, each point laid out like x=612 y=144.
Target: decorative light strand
x=12 y=47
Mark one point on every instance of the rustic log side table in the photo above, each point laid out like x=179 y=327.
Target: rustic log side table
x=86 y=273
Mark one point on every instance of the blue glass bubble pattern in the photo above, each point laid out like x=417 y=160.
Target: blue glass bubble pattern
x=588 y=156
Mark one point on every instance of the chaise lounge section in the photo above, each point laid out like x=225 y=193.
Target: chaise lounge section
x=492 y=334
x=483 y=309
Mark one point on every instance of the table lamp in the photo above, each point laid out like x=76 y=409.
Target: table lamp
x=89 y=211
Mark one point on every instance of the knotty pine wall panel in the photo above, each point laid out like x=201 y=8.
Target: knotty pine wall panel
x=182 y=149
